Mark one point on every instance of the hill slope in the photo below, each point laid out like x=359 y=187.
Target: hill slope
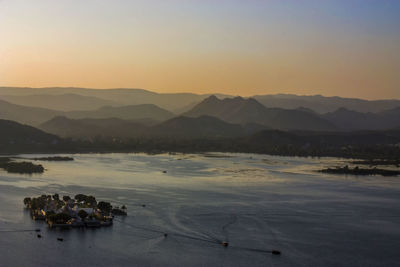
x=179 y=101
x=179 y=127
x=242 y=111
x=203 y=126
x=323 y=104
x=36 y=116
x=92 y=128
x=64 y=102
x=26 y=115
x=13 y=133
x=123 y=97
x=353 y=120
x=135 y=112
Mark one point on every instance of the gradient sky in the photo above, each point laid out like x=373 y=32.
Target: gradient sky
x=241 y=47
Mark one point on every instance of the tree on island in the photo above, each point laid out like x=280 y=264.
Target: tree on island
x=105 y=207
x=56 y=197
x=91 y=201
x=27 y=200
x=80 y=197
x=82 y=214
x=66 y=198
x=38 y=203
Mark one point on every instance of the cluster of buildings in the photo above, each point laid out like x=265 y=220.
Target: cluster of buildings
x=69 y=212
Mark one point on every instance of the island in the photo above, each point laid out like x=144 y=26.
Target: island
x=376 y=162
x=55 y=158
x=21 y=167
x=360 y=171
x=67 y=212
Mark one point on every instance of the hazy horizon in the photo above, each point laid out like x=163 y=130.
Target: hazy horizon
x=343 y=48
x=196 y=93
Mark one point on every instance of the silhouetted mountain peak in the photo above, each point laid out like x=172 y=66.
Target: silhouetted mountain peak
x=242 y=111
x=211 y=99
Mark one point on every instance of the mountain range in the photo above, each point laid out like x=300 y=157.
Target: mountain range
x=179 y=127
x=239 y=110
x=92 y=128
x=120 y=97
x=62 y=102
x=93 y=113
x=177 y=102
x=350 y=120
x=35 y=116
x=323 y=104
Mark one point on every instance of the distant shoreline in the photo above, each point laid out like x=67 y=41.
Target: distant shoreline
x=367 y=157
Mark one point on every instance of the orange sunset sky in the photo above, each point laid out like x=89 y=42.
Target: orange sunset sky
x=348 y=48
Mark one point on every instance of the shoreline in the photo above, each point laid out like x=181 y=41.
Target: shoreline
x=63 y=152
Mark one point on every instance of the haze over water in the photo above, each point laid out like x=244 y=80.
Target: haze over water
x=255 y=202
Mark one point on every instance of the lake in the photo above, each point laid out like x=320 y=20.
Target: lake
x=257 y=203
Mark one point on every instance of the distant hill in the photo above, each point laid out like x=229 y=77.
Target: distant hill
x=353 y=120
x=185 y=108
x=124 y=97
x=135 y=112
x=92 y=128
x=26 y=115
x=203 y=126
x=391 y=113
x=190 y=135
x=242 y=111
x=285 y=112
x=179 y=127
x=36 y=116
x=322 y=104
x=13 y=133
x=182 y=102
x=64 y=102
x=322 y=139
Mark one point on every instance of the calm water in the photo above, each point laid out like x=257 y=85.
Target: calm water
x=255 y=202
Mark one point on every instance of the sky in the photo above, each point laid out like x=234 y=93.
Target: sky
x=348 y=48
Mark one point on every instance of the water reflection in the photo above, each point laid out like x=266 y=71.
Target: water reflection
x=254 y=201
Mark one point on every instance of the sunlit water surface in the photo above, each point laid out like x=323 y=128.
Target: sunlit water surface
x=256 y=203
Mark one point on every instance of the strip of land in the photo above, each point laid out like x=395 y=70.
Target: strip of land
x=360 y=171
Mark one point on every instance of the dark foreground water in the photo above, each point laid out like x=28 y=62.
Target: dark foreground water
x=256 y=203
